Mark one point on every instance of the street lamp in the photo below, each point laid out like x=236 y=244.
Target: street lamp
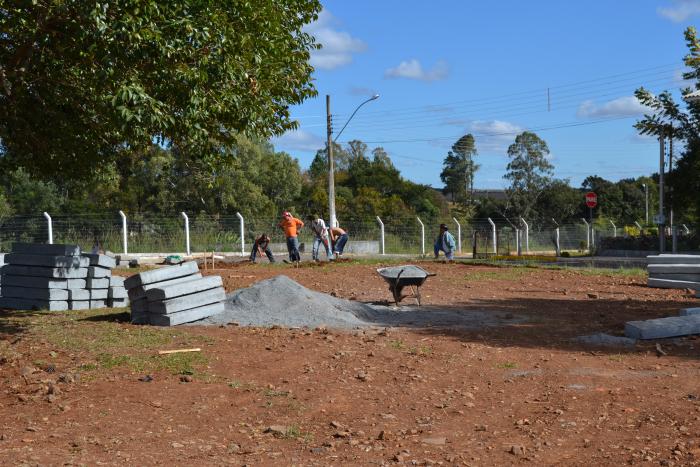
x=646 y=203
x=330 y=141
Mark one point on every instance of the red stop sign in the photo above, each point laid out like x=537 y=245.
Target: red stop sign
x=591 y=199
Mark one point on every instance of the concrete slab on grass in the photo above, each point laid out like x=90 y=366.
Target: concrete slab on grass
x=46 y=249
x=116 y=281
x=40 y=271
x=662 y=328
x=187 y=302
x=97 y=304
x=139 y=292
x=117 y=292
x=606 y=340
x=101 y=260
x=676 y=277
x=99 y=294
x=162 y=274
x=187 y=316
x=95 y=283
x=78 y=294
x=118 y=302
x=99 y=272
x=184 y=288
x=33 y=293
x=139 y=306
x=28 y=304
x=43 y=282
x=47 y=261
x=671 y=284
x=79 y=304
x=673 y=269
x=690 y=311
x=673 y=259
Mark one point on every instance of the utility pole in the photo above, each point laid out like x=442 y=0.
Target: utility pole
x=331 y=166
x=646 y=203
x=662 y=221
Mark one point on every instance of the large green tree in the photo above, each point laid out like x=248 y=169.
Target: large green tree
x=80 y=81
x=669 y=119
x=529 y=172
x=459 y=169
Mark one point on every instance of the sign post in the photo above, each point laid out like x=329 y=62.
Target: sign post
x=591 y=202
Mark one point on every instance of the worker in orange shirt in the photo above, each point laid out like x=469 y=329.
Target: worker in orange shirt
x=290 y=225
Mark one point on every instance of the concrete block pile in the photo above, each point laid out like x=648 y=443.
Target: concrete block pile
x=674 y=271
x=57 y=278
x=174 y=295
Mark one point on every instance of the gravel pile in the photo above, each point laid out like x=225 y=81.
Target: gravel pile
x=283 y=302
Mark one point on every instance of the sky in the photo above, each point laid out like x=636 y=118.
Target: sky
x=565 y=70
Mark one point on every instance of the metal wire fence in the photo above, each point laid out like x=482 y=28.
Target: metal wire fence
x=147 y=233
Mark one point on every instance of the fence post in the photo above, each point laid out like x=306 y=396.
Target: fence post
x=588 y=234
x=641 y=229
x=687 y=230
x=50 y=226
x=187 y=233
x=124 y=232
x=558 y=248
x=614 y=228
x=242 y=233
x=527 y=235
x=422 y=236
x=493 y=236
x=381 y=226
x=459 y=235
x=518 y=245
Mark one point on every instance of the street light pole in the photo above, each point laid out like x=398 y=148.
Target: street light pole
x=330 y=140
x=662 y=221
x=646 y=203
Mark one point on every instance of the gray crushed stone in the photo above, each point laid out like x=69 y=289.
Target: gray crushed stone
x=280 y=301
x=606 y=340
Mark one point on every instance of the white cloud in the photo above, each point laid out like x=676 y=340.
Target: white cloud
x=680 y=10
x=627 y=106
x=299 y=140
x=496 y=128
x=338 y=46
x=412 y=69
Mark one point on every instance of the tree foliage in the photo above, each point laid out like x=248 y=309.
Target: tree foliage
x=528 y=171
x=459 y=169
x=670 y=120
x=80 y=81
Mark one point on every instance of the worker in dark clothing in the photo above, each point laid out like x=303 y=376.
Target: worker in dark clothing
x=262 y=245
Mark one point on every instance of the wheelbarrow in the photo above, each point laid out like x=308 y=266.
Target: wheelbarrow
x=399 y=277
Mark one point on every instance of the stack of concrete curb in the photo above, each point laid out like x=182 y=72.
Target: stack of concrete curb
x=674 y=271
x=174 y=295
x=58 y=277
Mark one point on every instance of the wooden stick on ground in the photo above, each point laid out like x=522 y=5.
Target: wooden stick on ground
x=165 y=352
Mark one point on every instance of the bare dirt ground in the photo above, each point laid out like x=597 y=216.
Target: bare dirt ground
x=89 y=388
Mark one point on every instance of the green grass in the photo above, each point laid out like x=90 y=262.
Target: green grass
x=503 y=274
x=397 y=344
x=104 y=342
x=507 y=365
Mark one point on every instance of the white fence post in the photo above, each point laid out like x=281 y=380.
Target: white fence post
x=588 y=234
x=50 y=226
x=242 y=233
x=381 y=226
x=459 y=235
x=614 y=228
x=124 y=232
x=493 y=236
x=638 y=226
x=527 y=235
x=558 y=248
x=687 y=230
x=187 y=233
x=422 y=236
